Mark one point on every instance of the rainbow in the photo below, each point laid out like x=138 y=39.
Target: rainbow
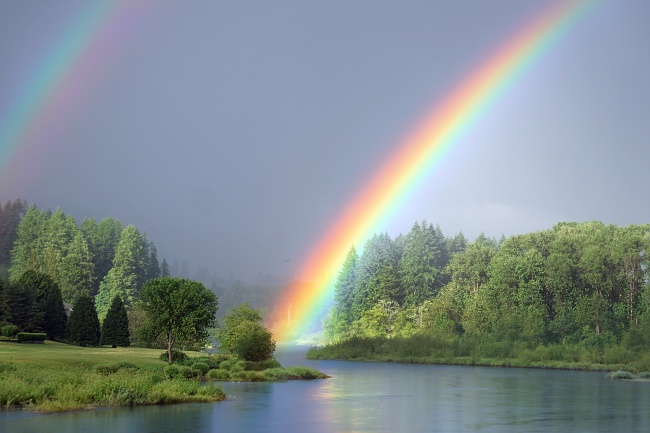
x=303 y=305
x=50 y=92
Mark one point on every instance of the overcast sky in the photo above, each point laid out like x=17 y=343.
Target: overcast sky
x=234 y=132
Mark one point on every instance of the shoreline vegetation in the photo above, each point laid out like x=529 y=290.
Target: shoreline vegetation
x=621 y=364
x=57 y=377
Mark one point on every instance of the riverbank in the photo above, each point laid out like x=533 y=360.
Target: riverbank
x=57 y=377
x=430 y=350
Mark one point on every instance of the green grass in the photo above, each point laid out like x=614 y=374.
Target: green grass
x=58 y=377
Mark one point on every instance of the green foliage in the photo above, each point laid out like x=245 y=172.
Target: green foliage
x=201 y=366
x=83 y=325
x=178 y=356
x=125 y=277
x=255 y=342
x=181 y=309
x=171 y=371
x=218 y=374
x=115 y=329
x=31 y=337
x=10 y=330
x=244 y=334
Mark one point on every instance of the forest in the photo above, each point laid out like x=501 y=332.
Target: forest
x=577 y=286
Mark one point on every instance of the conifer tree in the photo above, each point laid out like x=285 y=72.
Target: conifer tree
x=164 y=269
x=115 y=329
x=46 y=293
x=83 y=324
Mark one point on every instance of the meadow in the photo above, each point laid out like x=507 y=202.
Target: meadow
x=54 y=377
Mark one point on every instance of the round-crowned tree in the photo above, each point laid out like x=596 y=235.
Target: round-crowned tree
x=244 y=334
x=180 y=309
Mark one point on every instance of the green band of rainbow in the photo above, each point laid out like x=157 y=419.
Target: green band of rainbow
x=302 y=306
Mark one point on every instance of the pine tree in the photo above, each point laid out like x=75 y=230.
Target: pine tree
x=50 y=317
x=124 y=278
x=164 y=269
x=83 y=324
x=115 y=329
x=22 y=301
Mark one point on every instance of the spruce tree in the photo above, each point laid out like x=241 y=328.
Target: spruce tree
x=115 y=329
x=83 y=324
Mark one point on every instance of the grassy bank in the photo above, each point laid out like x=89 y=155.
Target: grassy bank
x=55 y=377
x=432 y=350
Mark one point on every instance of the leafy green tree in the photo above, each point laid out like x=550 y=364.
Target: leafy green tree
x=181 y=309
x=244 y=334
x=255 y=342
x=228 y=333
x=83 y=325
x=115 y=329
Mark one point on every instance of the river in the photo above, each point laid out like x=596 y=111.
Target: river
x=379 y=397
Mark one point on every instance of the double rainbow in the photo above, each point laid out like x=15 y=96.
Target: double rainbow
x=303 y=305
x=51 y=92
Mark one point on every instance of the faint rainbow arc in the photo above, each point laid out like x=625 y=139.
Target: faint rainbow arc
x=53 y=90
x=404 y=170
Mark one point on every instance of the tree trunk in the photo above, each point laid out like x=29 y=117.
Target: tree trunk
x=170 y=343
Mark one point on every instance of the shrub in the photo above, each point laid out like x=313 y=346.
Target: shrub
x=31 y=337
x=177 y=356
x=261 y=365
x=10 y=330
x=644 y=375
x=620 y=375
x=227 y=365
x=171 y=371
x=218 y=374
x=187 y=372
x=202 y=367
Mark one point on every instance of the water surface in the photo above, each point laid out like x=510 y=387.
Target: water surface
x=378 y=397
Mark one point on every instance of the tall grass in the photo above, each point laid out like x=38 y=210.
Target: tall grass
x=468 y=350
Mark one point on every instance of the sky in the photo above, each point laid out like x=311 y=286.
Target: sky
x=234 y=132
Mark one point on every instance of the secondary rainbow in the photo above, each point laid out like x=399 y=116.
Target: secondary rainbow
x=368 y=211
x=51 y=92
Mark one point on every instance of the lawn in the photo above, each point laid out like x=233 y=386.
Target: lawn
x=58 y=377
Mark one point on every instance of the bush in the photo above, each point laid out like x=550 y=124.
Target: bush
x=9 y=330
x=31 y=337
x=261 y=365
x=177 y=356
x=187 y=372
x=201 y=367
x=171 y=371
x=227 y=365
x=218 y=374
x=620 y=375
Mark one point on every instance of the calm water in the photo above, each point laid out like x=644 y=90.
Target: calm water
x=374 y=397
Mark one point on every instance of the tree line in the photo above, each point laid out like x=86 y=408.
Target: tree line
x=579 y=283
x=99 y=259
